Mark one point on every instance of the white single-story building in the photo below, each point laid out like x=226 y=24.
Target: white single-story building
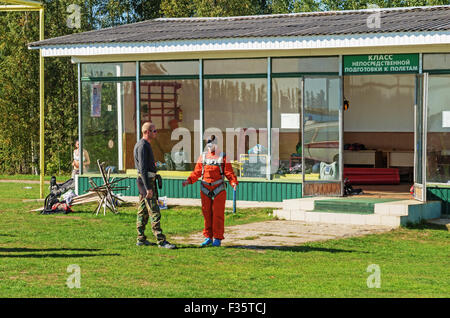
x=295 y=99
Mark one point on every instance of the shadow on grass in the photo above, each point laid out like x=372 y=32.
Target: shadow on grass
x=54 y=255
x=23 y=249
x=175 y=206
x=8 y=235
x=423 y=225
x=100 y=213
x=300 y=249
x=190 y=246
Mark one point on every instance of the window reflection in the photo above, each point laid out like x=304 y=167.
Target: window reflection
x=438 y=127
x=170 y=68
x=108 y=69
x=286 y=109
x=108 y=127
x=239 y=105
x=235 y=66
x=321 y=128
x=173 y=106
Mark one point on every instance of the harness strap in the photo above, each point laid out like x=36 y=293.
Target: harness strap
x=203 y=163
x=213 y=183
x=213 y=162
x=212 y=193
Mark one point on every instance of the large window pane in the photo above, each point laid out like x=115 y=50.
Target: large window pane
x=436 y=62
x=173 y=106
x=286 y=109
x=321 y=128
x=169 y=68
x=306 y=65
x=376 y=104
x=107 y=123
x=418 y=131
x=239 y=106
x=438 y=126
x=108 y=69
x=129 y=103
x=235 y=66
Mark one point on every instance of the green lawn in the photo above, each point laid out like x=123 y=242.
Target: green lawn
x=35 y=251
x=32 y=177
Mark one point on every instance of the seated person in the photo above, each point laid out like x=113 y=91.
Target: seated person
x=76 y=160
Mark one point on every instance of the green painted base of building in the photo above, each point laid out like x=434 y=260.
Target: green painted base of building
x=442 y=194
x=248 y=190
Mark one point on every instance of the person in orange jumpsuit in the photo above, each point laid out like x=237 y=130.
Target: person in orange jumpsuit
x=212 y=167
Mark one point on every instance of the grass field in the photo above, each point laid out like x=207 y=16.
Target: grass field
x=32 y=177
x=36 y=250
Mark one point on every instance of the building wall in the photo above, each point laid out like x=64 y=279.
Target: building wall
x=380 y=105
x=442 y=194
x=247 y=191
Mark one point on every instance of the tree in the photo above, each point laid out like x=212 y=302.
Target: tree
x=212 y=8
x=114 y=12
x=19 y=87
x=19 y=80
x=364 y=4
x=177 y=8
x=19 y=67
x=224 y=8
x=19 y=91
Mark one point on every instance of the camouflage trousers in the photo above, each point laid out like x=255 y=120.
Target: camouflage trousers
x=149 y=208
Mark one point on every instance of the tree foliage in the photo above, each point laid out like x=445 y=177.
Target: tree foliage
x=19 y=67
x=19 y=104
x=19 y=80
x=363 y=4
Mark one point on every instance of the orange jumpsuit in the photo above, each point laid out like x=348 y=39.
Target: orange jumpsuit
x=213 y=209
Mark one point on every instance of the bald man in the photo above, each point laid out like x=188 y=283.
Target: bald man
x=144 y=162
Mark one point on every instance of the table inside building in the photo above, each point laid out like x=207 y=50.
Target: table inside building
x=400 y=158
x=363 y=157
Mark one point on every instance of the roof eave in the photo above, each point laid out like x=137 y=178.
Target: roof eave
x=251 y=44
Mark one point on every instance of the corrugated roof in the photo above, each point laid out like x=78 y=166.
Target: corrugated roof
x=414 y=19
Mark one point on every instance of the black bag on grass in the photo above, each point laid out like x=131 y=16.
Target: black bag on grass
x=51 y=201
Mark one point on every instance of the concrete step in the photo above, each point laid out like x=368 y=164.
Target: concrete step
x=347 y=205
x=338 y=218
x=304 y=204
x=394 y=214
x=421 y=211
x=332 y=204
x=398 y=208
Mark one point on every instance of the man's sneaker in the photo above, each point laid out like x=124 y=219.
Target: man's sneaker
x=166 y=244
x=206 y=242
x=142 y=243
x=216 y=242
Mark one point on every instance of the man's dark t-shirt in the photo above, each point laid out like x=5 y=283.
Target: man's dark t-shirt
x=144 y=161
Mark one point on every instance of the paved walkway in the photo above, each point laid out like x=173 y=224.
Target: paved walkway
x=274 y=233
x=280 y=233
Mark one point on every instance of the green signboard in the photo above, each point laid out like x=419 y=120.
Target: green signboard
x=381 y=63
